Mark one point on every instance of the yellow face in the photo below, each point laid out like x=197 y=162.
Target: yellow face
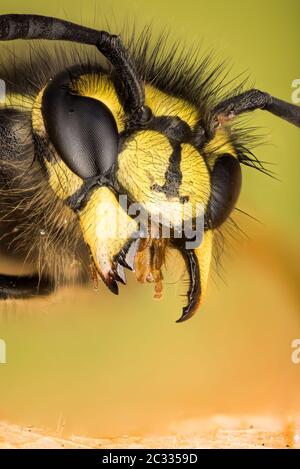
x=161 y=181
x=172 y=181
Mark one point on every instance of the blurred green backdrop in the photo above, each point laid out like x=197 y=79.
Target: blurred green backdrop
x=108 y=365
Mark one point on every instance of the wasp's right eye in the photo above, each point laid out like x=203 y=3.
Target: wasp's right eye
x=226 y=179
x=82 y=129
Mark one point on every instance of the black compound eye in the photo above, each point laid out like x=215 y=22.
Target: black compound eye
x=226 y=180
x=82 y=130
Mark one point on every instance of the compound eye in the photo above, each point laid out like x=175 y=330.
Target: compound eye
x=226 y=179
x=82 y=130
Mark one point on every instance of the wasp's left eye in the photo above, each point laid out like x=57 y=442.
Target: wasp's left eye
x=82 y=130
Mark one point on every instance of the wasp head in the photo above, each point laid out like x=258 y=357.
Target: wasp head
x=141 y=186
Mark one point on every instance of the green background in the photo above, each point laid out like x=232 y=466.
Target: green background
x=108 y=365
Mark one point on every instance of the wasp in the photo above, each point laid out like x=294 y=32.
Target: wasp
x=77 y=134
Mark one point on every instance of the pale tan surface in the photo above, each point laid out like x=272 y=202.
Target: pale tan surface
x=217 y=432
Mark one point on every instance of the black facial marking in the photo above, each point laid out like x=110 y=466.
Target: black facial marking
x=78 y=200
x=177 y=131
x=174 y=128
x=173 y=176
x=200 y=136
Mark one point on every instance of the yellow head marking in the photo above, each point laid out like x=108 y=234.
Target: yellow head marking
x=143 y=169
x=61 y=179
x=105 y=239
x=195 y=177
x=163 y=104
x=36 y=115
x=100 y=87
x=143 y=163
x=18 y=100
x=220 y=144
